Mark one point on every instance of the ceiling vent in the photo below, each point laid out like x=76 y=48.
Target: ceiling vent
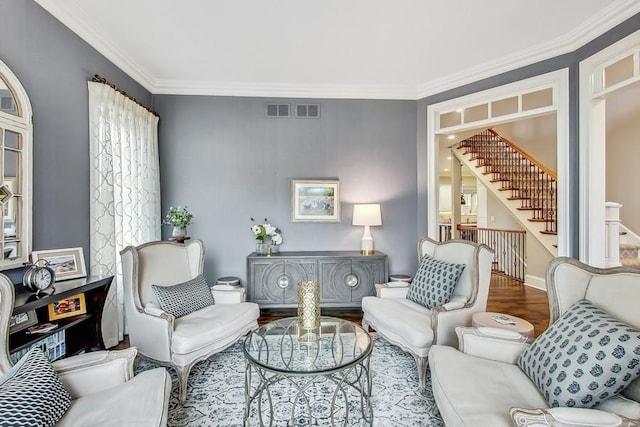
x=307 y=111
x=278 y=110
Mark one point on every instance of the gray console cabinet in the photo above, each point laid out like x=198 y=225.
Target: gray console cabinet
x=345 y=277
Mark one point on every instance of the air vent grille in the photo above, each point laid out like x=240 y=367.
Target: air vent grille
x=277 y=110
x=308 y=111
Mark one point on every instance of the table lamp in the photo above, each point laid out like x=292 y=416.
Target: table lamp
x=367 y=215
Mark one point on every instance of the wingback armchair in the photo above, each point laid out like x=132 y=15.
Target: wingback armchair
x=101 y=384
x=177 y=342
x=414 y=327
x=486 y=380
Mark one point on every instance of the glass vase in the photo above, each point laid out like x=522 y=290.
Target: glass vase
x=274 y=248
x=261 y=248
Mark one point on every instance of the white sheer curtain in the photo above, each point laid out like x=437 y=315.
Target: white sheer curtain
x=125 y=190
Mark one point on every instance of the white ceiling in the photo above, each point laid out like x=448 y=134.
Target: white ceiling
x=404 y=49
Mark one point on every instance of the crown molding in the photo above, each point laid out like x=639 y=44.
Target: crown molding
x=609 y=17
x=284 y=90
x=61 y=11
x=597 y=25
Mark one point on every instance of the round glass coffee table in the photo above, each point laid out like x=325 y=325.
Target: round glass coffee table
x=294 y=379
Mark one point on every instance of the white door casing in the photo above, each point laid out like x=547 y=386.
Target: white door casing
x=593 y=93
x=558 y=83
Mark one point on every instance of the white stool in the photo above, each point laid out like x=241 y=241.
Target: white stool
x=503 y=321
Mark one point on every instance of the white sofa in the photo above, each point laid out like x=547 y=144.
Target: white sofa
x=480 y=384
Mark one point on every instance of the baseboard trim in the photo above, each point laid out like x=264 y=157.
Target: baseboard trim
x=535 y=282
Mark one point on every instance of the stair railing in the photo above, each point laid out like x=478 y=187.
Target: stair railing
x=509 y=249
x=529 y=181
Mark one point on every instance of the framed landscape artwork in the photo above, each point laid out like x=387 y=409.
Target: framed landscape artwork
x=315 y=200
x=67 y=263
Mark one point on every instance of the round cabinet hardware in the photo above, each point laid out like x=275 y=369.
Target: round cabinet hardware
x=38 y=278
x=283 y=282
x=351 y=280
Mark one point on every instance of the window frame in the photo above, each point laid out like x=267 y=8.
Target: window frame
x=21 y=124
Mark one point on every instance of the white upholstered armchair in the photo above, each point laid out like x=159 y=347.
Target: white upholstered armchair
x=483 y=383
x=101 y=384
x=415 y=328
x=177 y=342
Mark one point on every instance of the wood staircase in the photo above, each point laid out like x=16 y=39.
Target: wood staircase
x=529 y=186
x=527 y=180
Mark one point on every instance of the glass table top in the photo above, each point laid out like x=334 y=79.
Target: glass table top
x=281 y=346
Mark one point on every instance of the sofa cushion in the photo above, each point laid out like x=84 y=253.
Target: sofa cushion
x=435 y=282
x=31 y=394
x=620 y=405
x=212 y=324
x=139 y=402
x=184 y=298
x=472 y=391
x=584 y=358
x=401 y=321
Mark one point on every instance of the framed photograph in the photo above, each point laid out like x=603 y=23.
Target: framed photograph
x=67 y=263
x=68 y=307
x=315 y=200
x=22 y=321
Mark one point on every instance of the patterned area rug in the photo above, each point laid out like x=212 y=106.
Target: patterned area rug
x=215 y=395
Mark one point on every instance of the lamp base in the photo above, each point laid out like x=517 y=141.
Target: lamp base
x=366 y=243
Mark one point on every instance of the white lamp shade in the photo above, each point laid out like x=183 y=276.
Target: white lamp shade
x=367 y=214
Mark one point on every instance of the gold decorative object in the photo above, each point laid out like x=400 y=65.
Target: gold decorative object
x=309 y=311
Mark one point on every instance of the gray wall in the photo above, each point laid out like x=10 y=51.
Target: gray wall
x=227 y=162
x=53 y=64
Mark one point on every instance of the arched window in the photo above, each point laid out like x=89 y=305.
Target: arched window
x=16 y=142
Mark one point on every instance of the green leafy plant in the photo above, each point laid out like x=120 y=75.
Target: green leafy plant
x=178 y=217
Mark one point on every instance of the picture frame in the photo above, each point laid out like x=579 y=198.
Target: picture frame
x=66 y=263
x=73 y=305
x=22 y=321
x=315 y=200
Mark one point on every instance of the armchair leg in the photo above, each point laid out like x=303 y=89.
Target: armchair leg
x=421 y=365
x=365 y=324
x=183 y=376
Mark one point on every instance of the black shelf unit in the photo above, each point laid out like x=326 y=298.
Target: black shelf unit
x=82 y=332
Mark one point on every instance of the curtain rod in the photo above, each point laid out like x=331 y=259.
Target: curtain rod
x=99 y=79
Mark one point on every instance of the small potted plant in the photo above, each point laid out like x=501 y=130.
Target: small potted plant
x=179 y=217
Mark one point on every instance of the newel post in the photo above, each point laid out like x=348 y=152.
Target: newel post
x=612 y=231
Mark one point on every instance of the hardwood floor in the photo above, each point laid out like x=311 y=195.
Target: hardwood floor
x=506 y=296
x=509 y=296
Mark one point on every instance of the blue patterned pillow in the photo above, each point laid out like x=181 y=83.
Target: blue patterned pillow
x=184 y=298
x=434 y=282
x=584 y=358
x=31 y=393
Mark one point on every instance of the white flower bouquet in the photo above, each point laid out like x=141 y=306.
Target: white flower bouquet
x=265 y=231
